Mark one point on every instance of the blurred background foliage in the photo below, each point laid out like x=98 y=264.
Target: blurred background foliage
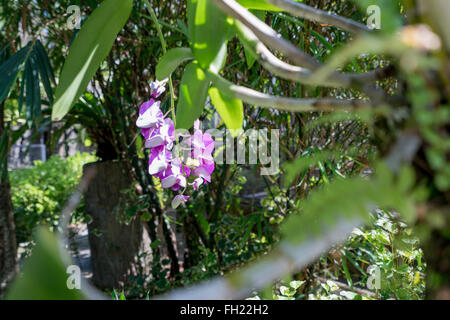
x=236 y=218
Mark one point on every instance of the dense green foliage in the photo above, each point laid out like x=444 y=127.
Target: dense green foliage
x=382 y=162
x=40 y=191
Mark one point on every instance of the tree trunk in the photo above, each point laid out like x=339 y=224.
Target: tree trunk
x=8 y=246
x=118 y=250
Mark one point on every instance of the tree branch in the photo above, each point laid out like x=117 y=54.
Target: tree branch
x=304 y=11
x=260 y=99
x=298 y=74
x=280 y=68
x=267 y=35
x=262 y=33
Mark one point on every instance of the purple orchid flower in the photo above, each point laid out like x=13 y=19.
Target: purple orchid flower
x=157 y=88
x=196 y=184
x=159 y=134
x=159 y=160
x=149 y=115
x=179 y=199
x=162 y=135
x=203 y=146
x=174 y=176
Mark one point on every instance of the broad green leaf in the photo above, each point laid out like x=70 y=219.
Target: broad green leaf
x=230 y=109
x=44 y=274
x=193 y=90
x=171 y=60
x=209 y=35
x=258 y=5
x=88 y=50
x=191 y=7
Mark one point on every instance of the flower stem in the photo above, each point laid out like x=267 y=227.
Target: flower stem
x=164 y=49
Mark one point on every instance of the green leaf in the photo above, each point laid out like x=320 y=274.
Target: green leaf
x=44 y=274
x=347 y=272
x=35 y=69
x=258 y=5
x=10 y=69
x=191 y=7
x=297 y=283
x=203 y=222
x=45 y=71
x=249 y=48
x=230 y=109
x=88 y=50
x=193 y=90
x=295 y=167
x=209 y=35
x=22 y=88
x=250 y=57
x=36 y=109
x=183 y=27
x=44 y=58
x=33 y=94
x=171 y=60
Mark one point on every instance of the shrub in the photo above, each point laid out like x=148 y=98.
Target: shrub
x=39 y=192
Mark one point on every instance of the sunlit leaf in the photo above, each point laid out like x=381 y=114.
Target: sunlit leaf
x=209 y=35
x=258 y=5
x=88 y=50
x=171 y=60
x=193 y=91
x=230 y=109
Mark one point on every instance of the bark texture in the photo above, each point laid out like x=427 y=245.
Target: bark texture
x=115 y=247
x=8 y=246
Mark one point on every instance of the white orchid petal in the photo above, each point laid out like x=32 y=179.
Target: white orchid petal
x=154 y=141
x=157 y=166
x=168 y=181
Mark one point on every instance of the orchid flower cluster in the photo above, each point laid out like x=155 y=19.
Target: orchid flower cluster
x=159 y=134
